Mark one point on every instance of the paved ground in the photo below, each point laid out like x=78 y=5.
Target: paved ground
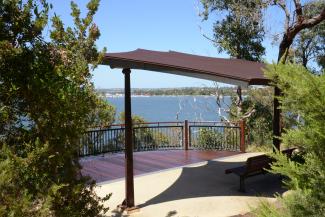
x=196 y=190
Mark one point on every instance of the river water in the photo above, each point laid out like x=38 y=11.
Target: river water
x=174 y=108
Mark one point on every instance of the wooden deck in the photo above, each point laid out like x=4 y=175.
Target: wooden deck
x=111 y=166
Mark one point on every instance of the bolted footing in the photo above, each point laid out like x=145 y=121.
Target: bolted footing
x=129 y=210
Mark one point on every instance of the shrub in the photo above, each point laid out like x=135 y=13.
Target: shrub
x=210 y=139
x=304 y=97
x=46 y=102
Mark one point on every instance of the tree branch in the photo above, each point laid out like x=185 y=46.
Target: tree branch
x=248 y=114
x=210 y=39
x=292 y=31
x=207 y=37
x=306 y=23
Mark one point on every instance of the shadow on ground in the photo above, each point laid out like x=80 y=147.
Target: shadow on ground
x=210 y=180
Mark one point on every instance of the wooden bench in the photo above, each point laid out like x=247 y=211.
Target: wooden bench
x=254 y=166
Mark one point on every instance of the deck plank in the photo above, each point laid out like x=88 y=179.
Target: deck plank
x=111 y=166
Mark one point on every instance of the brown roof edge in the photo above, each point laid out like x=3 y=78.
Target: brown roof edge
x=232 y=70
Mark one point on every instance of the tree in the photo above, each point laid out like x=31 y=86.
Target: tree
x=240 y=31
x=295 y=20
x=46 y=103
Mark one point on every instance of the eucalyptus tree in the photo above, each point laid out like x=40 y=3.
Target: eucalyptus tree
x=295 y=20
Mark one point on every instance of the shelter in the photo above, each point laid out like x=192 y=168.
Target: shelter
x=231 y=71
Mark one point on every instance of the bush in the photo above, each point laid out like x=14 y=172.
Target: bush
x=210 y=139
x=304 y=97
x=46 y=103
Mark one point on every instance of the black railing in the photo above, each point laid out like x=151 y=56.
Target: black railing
x=164 y=136
x=146 y=137
x=214 y=137
x=97 y=141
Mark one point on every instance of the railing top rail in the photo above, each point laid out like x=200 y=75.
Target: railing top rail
x=220 y=122
x=165 y=123
x=215 y=126
x=145 y=123
x=159 y=126
x=213 y=123
x=104 y=129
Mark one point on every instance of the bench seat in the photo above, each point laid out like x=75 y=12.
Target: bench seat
x=254 y=166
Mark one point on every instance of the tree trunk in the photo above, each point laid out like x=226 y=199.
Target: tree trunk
x=304 y=61
x=284 y=48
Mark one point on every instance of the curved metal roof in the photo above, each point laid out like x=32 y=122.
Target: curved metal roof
x=231 y=71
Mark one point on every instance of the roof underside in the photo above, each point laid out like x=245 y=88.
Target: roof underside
x=230 y=71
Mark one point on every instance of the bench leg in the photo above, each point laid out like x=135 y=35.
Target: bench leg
x=242 y=184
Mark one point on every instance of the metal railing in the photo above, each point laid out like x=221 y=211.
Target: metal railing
x=147 y=138
x=214 y=137
x=165 y=135
x=97 y=141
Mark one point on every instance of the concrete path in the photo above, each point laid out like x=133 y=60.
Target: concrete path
x=196 y=190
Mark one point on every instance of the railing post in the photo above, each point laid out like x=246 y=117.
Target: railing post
x=242 y=135
x=186 y=135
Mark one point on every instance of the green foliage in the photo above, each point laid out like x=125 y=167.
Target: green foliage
x=102 y=115
x=46 y=101
x=267 y=209
x=240 y=31
x=304 y=96
x=136 y=119
x=210 y=139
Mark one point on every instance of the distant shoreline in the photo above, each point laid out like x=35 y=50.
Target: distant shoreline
x=169 y=92
x=120 y=96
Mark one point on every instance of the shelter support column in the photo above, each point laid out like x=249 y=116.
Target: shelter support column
x=129 y=177
x=276 y=119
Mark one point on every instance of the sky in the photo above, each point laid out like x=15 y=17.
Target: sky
x=160 y=25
